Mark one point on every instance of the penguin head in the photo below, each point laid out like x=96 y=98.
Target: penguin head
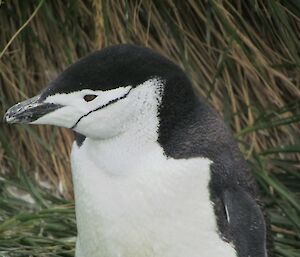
x=100 y=95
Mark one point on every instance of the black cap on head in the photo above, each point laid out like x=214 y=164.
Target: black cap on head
x=131 y=65
x=112 y=67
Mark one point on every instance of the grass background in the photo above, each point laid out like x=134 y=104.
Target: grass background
x=244 y=56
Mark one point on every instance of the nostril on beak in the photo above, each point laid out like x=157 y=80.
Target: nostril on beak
x=11 y=114
x=7 y=117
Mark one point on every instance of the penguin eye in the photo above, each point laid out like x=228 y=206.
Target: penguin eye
x=89 y=98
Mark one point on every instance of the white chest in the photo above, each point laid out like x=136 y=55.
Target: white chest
x=153 y=207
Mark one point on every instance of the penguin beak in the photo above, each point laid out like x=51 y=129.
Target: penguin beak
x=29 y=110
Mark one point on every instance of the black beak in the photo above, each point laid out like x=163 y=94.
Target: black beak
x=29 y=110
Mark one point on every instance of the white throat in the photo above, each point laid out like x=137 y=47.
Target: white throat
x=138 y=138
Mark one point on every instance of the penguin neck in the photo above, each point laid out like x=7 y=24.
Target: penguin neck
x=121 y=154
x=136 y=144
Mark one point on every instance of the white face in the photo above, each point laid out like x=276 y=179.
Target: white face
x=109 y=114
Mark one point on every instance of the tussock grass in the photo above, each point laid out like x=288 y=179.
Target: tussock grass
x=242 y=55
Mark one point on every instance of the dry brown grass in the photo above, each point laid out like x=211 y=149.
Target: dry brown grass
x=236 y=64
x=243 y=55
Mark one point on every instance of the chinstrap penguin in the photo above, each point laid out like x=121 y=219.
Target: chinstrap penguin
x=156 y=172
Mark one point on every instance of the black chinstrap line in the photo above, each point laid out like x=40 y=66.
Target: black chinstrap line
x=101 y=107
